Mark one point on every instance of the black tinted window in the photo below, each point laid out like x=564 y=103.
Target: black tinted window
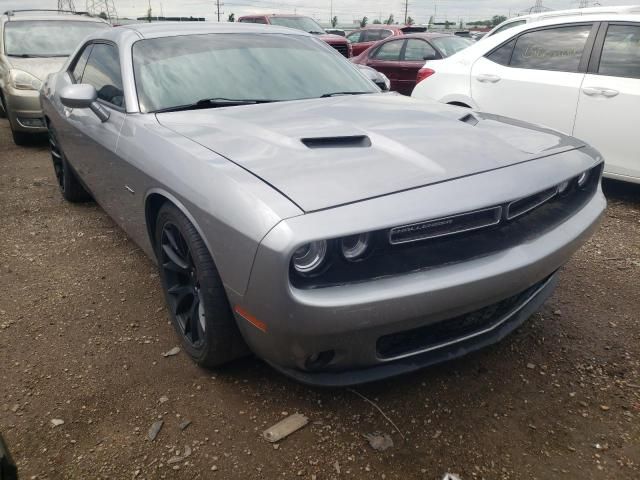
x=354 y=37
x=621 y=52
x=418 y=50
x=503 y=54
x=78 y=69
x=389 y=51
x=372 y=35
x=557 y=49
x=103 y=72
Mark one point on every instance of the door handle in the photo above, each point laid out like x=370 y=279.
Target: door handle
x=487 y=78
x=600 y=92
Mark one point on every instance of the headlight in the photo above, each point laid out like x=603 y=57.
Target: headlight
x=582 y=179
x=24 y=81
x=563 y=187
x=354 y=246
x=310 y=257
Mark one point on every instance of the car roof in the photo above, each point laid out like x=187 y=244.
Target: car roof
x=171 y=29
x=20 y=16
x=427 y=35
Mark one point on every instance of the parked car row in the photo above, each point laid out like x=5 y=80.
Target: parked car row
x=577 y=74
x=296 y=211
x=340 y=233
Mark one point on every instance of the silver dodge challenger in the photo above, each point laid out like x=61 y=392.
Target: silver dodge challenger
x=342 y=234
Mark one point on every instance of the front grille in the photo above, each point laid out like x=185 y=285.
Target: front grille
x=445 y=332
x=342 y=48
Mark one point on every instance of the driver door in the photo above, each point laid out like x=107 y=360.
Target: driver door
x=92 y=143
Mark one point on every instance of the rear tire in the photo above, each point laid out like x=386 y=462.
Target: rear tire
x=197 y=301
x=70 y=187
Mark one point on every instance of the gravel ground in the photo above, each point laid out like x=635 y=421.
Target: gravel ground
x=83 y=328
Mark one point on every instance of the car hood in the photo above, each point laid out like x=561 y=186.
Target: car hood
x=38 y=67
x=322 y=153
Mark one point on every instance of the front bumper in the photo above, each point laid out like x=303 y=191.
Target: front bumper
x=350 y=320
x=24 y=111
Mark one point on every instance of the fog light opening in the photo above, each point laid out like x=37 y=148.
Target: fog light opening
x=319 y=360
x=31 y=122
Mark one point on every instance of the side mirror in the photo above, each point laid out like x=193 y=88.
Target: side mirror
x=83 y=96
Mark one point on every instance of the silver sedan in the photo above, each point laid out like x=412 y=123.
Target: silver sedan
x=341 y=234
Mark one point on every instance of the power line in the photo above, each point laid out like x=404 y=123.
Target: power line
x=67 y=5
x=100 y=7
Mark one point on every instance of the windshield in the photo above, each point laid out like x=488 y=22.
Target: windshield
x=46 y=38
x=450 y=45
x=176 y=71
x=305 y=24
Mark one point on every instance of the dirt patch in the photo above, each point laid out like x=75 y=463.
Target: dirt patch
x=83 y=328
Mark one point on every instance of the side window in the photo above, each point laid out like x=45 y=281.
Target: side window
x=621 y=52
x=80 y=63
x=557 y=49
x=417 y=50
x=103 y=72
x=246 y=20
x=372 y=35
x=389 y=51
x=502 y=55
x=261 y=20
x=354 y=37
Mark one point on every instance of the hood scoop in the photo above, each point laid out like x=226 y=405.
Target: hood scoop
x=470 y=119
x=352 y=141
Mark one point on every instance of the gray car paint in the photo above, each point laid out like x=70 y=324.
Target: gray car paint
x=225 y=169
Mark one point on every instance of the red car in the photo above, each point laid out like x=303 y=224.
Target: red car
x=306 y=24
x=400 y=58
x=367 y=36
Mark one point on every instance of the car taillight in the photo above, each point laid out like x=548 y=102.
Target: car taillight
x=424 y=73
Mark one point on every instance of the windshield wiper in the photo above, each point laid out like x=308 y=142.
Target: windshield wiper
x=213 y=103
x=337 y=94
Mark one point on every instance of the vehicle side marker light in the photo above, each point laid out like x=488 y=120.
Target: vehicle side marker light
x=251 y=319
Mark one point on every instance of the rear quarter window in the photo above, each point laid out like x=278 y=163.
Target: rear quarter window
x=621 y=52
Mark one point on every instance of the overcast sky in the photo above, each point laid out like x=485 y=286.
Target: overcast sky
x=346 y=10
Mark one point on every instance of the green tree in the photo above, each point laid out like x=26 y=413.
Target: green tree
x=334 y=22
x=377 y=21
x=431 y=19
x=232 y=17
x=149 y=14
x=363 y=22
x=390 y=20
x=461 y=26
x=103 y=16
x=410 y=21
x=497 y=19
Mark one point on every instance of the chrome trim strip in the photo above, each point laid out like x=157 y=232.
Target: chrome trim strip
x=497 y=219
x=474 y=334
x=544 y=200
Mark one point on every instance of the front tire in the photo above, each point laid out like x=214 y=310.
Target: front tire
x=196 y=298
x=70 y=187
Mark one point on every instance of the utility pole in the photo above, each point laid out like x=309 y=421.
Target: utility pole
x=406 y=9
x=219 y=4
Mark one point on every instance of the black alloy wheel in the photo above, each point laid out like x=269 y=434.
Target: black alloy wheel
x=194 y=292
x=183 y=285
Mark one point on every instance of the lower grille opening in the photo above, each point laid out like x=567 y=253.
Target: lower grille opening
x=452 y=329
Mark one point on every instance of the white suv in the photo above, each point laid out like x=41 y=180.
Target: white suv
x=579 y=75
